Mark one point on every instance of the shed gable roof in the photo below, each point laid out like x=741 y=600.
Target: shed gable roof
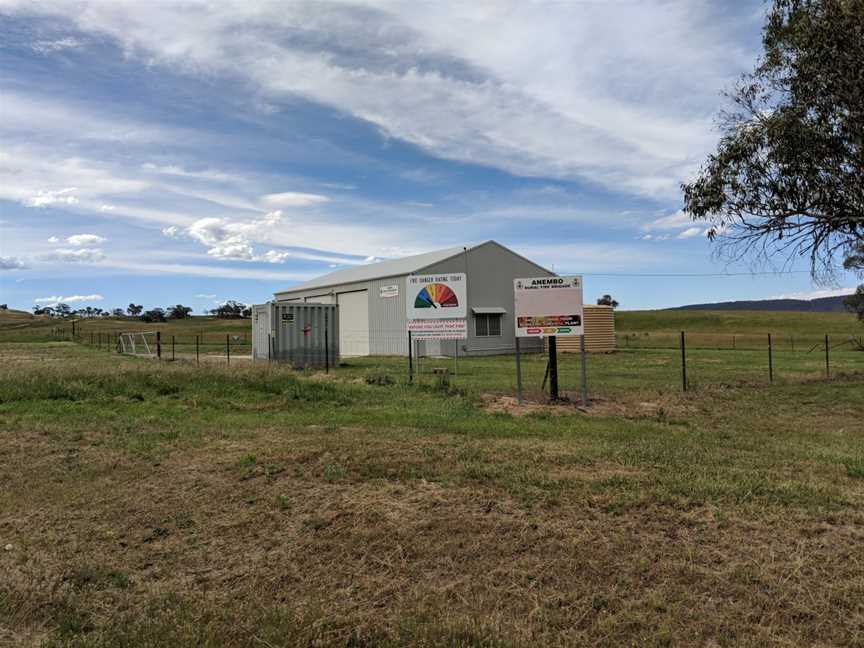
x=390 y=268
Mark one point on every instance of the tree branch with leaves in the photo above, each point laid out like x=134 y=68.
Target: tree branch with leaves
x=787 y=179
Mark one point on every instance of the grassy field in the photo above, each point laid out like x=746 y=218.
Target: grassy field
x=735 y=329
x=741 y=322
x=148 y=504
x=213 y=334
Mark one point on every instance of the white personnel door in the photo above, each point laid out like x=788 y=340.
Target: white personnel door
x=261 y=332
x=353 y=323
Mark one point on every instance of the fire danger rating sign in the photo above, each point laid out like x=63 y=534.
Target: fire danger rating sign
x=546 y=306
x=441 y=329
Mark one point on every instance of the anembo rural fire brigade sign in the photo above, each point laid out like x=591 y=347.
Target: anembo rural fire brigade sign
x=548 y=306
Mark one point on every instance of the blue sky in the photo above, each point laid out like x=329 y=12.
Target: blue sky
x=195 y=152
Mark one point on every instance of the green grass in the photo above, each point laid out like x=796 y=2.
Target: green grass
x=741 y=322
x=169 y=504
x=212 y=333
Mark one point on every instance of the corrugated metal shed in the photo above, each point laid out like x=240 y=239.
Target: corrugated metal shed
x=372 y=300
x=303 y=335
x=599 y=332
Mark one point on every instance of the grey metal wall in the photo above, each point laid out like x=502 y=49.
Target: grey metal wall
x=491 y=270
x=297 y=333
x=388 y=324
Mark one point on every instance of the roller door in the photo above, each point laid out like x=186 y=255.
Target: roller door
x=354 y=323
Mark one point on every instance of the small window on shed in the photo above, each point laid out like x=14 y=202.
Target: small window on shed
x=487 y=325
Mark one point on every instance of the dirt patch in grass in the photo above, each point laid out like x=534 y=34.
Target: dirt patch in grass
x=571 y=404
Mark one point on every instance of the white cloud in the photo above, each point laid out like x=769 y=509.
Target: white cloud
x=51 y=46
x=45 y=116
x=85 y=240
x=238 y=251
x=26 y=169
x=71 y=299
x=106 y=208
x=272 y=256
x=673 y=221
x=655 y=237
x=11 y=263
x=45 y=198
x=293 y=199
x=690 y=232
x=53 y=240
x=205 y=296
x=577 y=90
x=212 y=175
x=191 y=270
x=228 y=239
x=816 y=294
x=591 y=257
x=79 y=255
x=171 y=231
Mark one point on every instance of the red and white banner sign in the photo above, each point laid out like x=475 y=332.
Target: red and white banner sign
x=438 y=329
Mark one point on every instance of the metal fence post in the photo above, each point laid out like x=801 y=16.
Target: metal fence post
x=553 y=368
x=827 y=358
x=518 y=372
x=172 y=348
x=159 y=345
x=410 y=359
x=770 y=361
x=583 y=361
x=197 y=356
x=684 y=362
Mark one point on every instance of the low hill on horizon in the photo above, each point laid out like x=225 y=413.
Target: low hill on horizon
x=820 y=305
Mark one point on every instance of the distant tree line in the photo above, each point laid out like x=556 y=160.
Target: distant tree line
x=229 y=310
x=607 y=300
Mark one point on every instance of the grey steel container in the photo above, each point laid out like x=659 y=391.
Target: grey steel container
x=301 y=334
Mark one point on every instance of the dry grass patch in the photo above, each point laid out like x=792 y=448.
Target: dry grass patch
x=151 y=505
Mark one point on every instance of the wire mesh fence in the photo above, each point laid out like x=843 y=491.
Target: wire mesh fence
x=642 y=362
x=200 y=345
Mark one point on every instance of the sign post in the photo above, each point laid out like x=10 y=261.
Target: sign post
x=584 y=367
x=518 y=373
x=553 y=368
x=436 y=310
x=549 y=307
x=410 y=359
